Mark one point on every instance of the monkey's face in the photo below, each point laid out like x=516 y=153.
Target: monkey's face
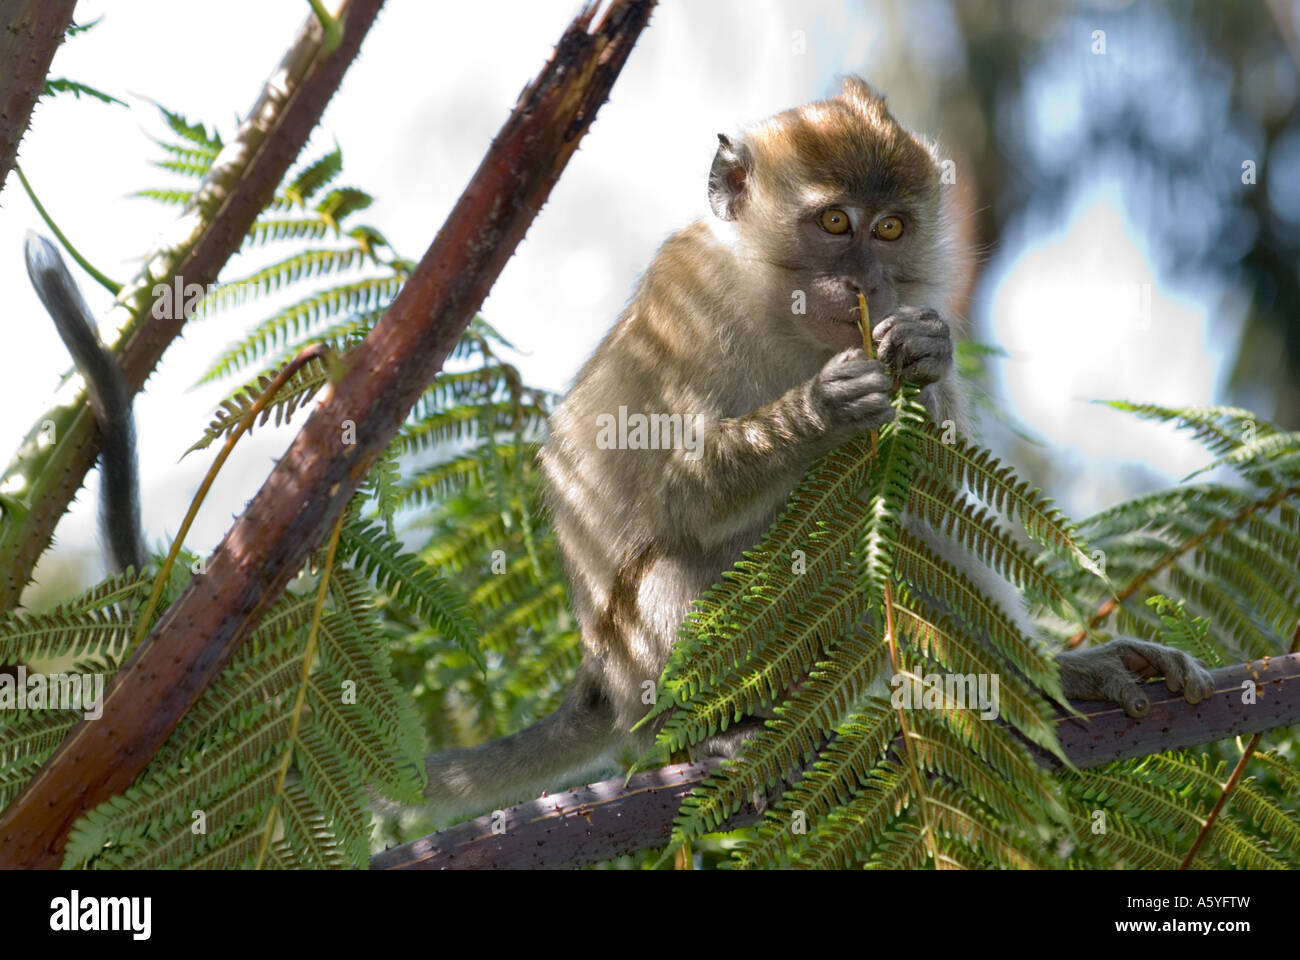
x=840 y=199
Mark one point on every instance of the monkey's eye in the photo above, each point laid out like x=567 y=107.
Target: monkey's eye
x=888 y=228
x=835 y=221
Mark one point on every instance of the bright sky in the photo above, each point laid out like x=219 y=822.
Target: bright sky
x=416 y=112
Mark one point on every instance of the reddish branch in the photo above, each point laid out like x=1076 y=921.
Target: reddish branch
x=606 y=820
x=241 y=182
x=311 y=484
x=1233 y=779
x=30 y=32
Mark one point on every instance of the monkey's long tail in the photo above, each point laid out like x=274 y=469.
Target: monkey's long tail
x=557 y=751
x=110 y=401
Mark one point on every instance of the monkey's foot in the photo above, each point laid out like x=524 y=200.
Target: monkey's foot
x=1114 y=671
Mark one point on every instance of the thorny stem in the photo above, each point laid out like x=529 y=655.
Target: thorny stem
x=1237 y=771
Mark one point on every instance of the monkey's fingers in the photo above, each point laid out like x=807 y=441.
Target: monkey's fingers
x=1115 y=671
x=1181 y=672
x=918 y=348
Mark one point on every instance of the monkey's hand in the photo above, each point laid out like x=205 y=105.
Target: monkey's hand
x=1113 y=671
x=851 y=392
x=915 y=343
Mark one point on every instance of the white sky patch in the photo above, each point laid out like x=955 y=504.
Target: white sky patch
x=1083 y=318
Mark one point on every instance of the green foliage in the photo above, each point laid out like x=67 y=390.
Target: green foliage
x=798 y=634
x=57 y=85
x=279 y=754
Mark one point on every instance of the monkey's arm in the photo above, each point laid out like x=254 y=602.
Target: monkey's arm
x=746 y=465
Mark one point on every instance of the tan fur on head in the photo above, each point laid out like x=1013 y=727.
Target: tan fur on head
x=849 y=145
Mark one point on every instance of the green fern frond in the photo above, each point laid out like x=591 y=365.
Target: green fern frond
x=176 y=198
x=100 y=621
x=309 y=839
x=355 y=648
x=845 y=763
x=470 y=421
x=797 y=567
x=834 y=479
x=888 y=494
x=846 y=835
x=329 y=779
x=185 y=168
x=356 y=727
x=1219 y=429
x=937 y=578
x=195 y=133
x=955 y=816
x=32 y=734
x=1273 y=601
x=361 y=297
x=302 y=265
x=292 y=396
x=1185 y=632
x=149 y=810
x=1268 y=455
x=1113 y=838
x=1237 y=635
x=534 y=610
x=407 y=580
x=58 y=85
x=939 y=637
x=383 y=485
x=1282 y=826
x=341 y=202
x=241 y=809
x=267 y=666
x=314 y=177
x=997 y=485
x=471 y=540
x=977 y=531
x=1153 y=511
x=276 y=229
x=459 y=475
x=903 y=847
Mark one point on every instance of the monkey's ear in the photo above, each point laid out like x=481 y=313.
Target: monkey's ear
x=729 y=177
x=856 y=89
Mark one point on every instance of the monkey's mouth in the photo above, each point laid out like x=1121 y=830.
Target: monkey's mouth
x=838 y=332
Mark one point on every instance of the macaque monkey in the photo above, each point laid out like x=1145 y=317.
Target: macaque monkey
x=737 y=362
x=745 y=327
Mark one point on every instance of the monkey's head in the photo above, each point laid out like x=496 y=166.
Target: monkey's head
x=839 y=198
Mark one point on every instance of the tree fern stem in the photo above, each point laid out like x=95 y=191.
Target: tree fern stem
x=1113 y=603
x=864 y=322
x=1237 y=771
x=912 y=768
x=112 y=286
